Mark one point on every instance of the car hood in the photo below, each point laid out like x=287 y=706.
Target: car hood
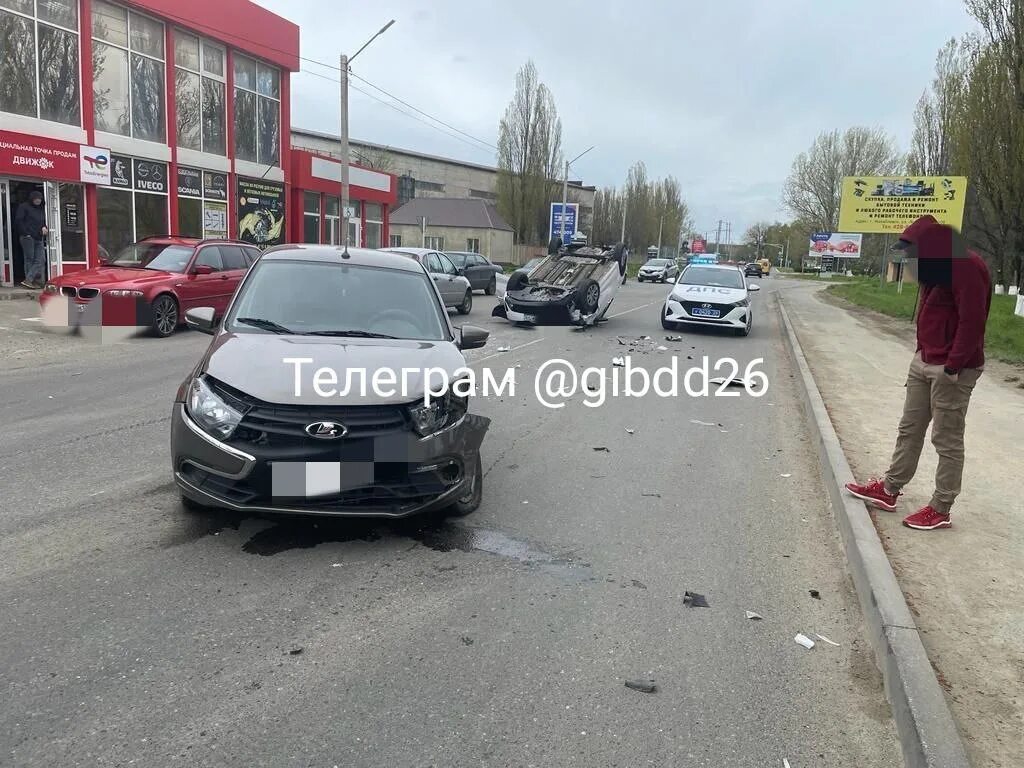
x=110 y=276
x=255 y=364
x=709 y=293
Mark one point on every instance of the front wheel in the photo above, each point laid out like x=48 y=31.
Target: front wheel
x=469 y=503
x=492 y=287
x=467 y=303
x=165 y=316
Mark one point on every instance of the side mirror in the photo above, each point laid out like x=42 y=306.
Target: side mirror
x=202 y=319
x=471 y=337
x=202 y=269
x=754 y=287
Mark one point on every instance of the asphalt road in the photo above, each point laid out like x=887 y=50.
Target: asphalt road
x=134 y=633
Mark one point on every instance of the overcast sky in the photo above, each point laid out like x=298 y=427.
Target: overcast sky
x=721 y=94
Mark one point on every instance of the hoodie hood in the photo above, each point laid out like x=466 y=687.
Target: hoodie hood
x=912 y=234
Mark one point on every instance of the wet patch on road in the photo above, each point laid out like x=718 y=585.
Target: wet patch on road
x=195 y=526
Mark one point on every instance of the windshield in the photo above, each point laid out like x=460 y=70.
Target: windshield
x=719 y=278
x=170 y=258
x=657 y=263
x=458 y=259
x=306 y=297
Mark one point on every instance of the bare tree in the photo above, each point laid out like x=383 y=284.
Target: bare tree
x=935 y=119
x=529 y=155
x=814 y=186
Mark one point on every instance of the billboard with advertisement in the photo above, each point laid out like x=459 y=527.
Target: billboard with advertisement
x=556 y=224
x=889 y=204
x=260 y=212
x=838 y=244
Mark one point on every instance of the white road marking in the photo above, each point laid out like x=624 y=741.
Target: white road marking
x=514 y=349
x=634 y=309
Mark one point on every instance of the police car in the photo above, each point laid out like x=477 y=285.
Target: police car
x=710 y=294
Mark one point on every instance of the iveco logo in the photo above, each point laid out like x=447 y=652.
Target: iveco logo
x=327 y=430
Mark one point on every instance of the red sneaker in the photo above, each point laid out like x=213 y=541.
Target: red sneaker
x=927 y=519
x=874 y=493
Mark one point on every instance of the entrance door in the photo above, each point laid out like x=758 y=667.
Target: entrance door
x=6 y=235
x=13 y=194
x=53 y=239
x=333 y=226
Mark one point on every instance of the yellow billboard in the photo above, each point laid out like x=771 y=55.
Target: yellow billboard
x=889 y=204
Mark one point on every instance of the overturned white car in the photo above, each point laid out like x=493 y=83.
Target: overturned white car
x=574 y=285
x=710 y=295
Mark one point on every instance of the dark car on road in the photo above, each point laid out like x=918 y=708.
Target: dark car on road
x=152 y=283
x=481 y=273
x=753 y=269
x=251 y=433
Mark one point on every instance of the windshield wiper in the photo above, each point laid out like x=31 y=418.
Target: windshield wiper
x=353 y=334
x=266 y=325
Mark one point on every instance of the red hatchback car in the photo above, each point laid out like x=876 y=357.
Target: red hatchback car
x=153 y=282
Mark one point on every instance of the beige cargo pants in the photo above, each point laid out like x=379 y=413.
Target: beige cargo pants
x=933 y=397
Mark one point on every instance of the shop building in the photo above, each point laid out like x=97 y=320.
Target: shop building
x=144 y=117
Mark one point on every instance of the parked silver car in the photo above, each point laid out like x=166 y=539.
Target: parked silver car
x=456 y=290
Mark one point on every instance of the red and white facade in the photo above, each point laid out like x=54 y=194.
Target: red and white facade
x=152 y=117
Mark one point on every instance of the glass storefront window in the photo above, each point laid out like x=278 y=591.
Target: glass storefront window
x=128 y=73
x=39 y=60
x=200 y=94
x=150 y=215
x=125 y=212
x=257 y=112
x=116 y=226
x=311 y=229
x=190 y=217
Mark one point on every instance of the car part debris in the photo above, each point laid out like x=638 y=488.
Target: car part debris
x=786 y=475
x=601 y=449
x=653 y=495
x=662 y=349
x=638 y=584
x=642 y=685
x=295 y=651
x=504 y=349
x=619 y=362
x=467 y=640
x=703 y=423
x=804 y=640
x=815 y=594
x=729 y=382
x=695 y=600
x=673 y=338
x=754 y=616
x=825 y=639
x=630 y=431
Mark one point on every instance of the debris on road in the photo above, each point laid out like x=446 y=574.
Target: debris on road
x=598 y=477
x=619 y=362
x=673 y=338
x=467 y=640
x=785 y=763
x=77 y=374
x=805 y=641
x=295 y=651
x=754 y=616
x=601 y=449
x=504 y=349
x=638 y=584
x=825 y=639
x=653 y=495
x=815 y=594
x=695 y=600
x=642 y=685
x=729 y=382
x=787 y=474
x=335 y=565
x=703 y=423
x=630 y=431
x=662 y=349
x=526 y=502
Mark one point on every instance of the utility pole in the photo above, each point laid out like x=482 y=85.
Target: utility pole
x=344 y=62
x=565 y=194
x=661 y=226
x=625 y=205
x=423 y=230
x=718 y=237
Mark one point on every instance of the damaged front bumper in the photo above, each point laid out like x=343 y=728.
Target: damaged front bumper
x=393 y=474
x=542 y=306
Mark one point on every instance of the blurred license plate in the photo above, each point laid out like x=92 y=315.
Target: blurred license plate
x=519 y=317
x=704 y=312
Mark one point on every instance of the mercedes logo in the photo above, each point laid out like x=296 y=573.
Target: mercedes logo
x=327 y=430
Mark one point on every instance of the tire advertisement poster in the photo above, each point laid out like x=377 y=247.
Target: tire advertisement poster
x=837 y=244
x=260 y=212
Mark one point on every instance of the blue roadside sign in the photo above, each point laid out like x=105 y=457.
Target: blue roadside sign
x=557 y=228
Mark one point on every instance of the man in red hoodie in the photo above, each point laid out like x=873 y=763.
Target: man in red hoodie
x=953 y=306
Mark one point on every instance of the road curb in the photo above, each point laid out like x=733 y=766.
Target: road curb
x=924 y=723
x=18 y=294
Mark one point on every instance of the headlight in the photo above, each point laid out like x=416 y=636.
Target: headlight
x=210 y=411
x=440 y=414
x=123 y=292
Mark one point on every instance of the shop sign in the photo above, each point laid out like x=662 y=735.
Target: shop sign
x=150 y=176
x=120 y=171
x=25 y=155
x=215 y=186
x=260 y=212
x=190 y=182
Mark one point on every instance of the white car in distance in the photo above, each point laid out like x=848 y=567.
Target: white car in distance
x=712 y=295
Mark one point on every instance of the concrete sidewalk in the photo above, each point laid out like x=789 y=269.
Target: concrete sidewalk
x=965 y=585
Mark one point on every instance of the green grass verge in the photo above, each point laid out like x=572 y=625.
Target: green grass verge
x=1004 y=335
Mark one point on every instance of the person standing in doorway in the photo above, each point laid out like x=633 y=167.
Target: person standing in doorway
x=30 y=222
x=954 y=302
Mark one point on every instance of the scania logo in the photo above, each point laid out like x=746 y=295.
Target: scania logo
x=327 y=430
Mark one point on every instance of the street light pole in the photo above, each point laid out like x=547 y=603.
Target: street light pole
x=344 y=62
x=565 y=191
